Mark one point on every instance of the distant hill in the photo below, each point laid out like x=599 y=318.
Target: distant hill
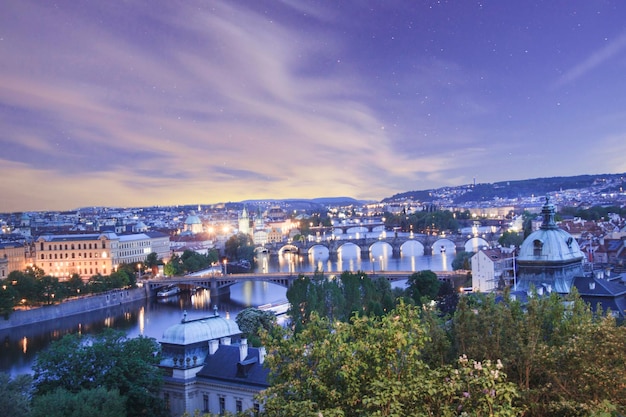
x=307 y=204
x=516 y=189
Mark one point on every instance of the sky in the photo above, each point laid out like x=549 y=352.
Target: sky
x=164 y=102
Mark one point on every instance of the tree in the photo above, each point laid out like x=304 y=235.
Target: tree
x=239 y=246
x=373 y=366
x=75 y=285
x=509 y=239
x=252 y=322
x=26 y=287
x=97 y=402
x=7 y=299
x=423 y=285
x=153 y=262
x=15 y=393
x=107 y=360
x=462 y=260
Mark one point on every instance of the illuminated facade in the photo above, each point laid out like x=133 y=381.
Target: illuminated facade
x=12 y=258
x=62 y=256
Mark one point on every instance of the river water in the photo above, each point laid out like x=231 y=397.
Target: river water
x=19 y=347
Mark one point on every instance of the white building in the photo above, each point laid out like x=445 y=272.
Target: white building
x=210 y=369
x=491 y=268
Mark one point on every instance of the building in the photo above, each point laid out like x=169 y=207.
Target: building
x=12 y=258
x=549 y=257
x=550 y=260
x=244 y=222
x=193 y=224
x=89 y=254
x=492 y=269
x=210 y=368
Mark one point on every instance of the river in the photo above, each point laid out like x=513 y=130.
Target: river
x=19 y=347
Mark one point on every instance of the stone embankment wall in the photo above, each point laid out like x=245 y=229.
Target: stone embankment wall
x=72 y=307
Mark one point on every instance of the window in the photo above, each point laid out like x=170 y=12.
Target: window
x=166 y=400
x=537 y=246
x=205 y=403
x=238 y=406
x=41 y=246
x=222 y=405
x=256 y=408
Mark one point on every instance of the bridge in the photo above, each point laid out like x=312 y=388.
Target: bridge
x=365 y=244
x=219 y=283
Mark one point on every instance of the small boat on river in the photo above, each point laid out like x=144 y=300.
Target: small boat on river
x=277 y=307
x=168 y=291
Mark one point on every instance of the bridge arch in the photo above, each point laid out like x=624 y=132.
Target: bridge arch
x=318 y=250
x=412 y=248
x=443 y=245
x=475 y=244
x=289 y=248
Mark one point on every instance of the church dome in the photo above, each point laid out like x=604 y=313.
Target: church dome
x=193 y=219
x=200 y=330
x=549 y=243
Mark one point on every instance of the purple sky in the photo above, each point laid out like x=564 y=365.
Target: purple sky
x=159 y=102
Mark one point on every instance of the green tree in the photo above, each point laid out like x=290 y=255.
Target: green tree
x=423 y=285
x=509 y=239
x=15 y=393
x=97 y=402
x=462 y=260
x=106 y=360
x=26 y=287
x=174 y=266
x=373 y=366
x=239 y=246
x=153 y=262
x=7 y=299
x=75 y=285
x=252 y=322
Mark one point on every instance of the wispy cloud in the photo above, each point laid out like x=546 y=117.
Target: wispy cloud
x=596 y=59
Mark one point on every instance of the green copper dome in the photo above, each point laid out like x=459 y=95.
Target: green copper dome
x=550 y=243
x=200 y=330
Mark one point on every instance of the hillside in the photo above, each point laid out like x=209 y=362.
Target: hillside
x=517 y=189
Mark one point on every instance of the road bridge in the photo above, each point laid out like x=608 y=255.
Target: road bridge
x=219 y=283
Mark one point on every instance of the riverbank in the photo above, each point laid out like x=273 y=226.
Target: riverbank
x=73 y=307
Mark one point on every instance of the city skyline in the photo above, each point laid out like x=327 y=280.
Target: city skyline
x=158 y=103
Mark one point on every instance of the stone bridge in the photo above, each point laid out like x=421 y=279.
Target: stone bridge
x=428 y=242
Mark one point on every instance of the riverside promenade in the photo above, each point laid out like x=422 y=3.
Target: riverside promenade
x=73 y=307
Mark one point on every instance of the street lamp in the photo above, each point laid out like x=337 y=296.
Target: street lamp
x=225 y=266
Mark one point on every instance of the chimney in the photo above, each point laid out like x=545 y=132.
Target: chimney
x=243 y=350
x=262 y=354
x=225 y=341
x=213 y=345
x=592 y=285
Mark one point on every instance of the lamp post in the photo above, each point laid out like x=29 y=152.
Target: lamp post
x=225 y=266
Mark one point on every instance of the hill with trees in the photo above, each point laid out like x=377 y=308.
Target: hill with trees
x=606 y=183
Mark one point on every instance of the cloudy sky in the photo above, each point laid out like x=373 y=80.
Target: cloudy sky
x=159 y=102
